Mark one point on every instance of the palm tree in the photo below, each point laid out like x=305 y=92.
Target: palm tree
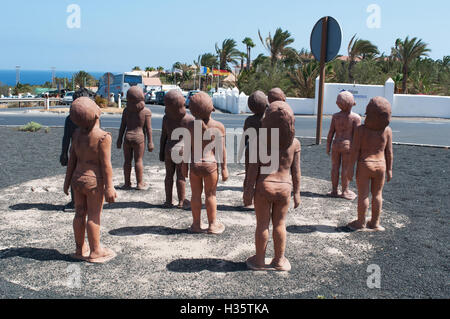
x=249 y=44
x=278 y=45
x=209 y=60
x=159 y=69
x=260 y=59
x=304 y=79
x=359 y=49
x=227 y=53
x=406 y=51
x=242 y=56
x=83 y=79
x=136 y=68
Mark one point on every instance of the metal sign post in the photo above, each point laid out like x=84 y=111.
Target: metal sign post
x=323 y=54
x=326 y=39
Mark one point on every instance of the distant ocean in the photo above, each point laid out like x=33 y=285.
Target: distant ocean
x=35 y=77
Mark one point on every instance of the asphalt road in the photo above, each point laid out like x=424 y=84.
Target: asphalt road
x=406 y=130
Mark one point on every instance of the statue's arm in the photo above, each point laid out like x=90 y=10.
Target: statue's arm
x=389 y=155
x=106 y=167
x=123 y=126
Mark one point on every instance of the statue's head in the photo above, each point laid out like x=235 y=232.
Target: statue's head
x=345 y=101
x=276 y=94
x=257 y=102
x=378 y=114
x=201 y=106
x=135 y=99
x=84 y=112
x=279 y=115
x=174 y=102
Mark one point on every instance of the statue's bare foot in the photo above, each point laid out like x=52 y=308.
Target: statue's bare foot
x=101 y=257
x=356 y=225
x=349 y=195
x=216 y=228
x=196 y=229
x=374 y=227
x=254 y=265
x=281 y=265
x=184 y=204
x=250 y=207
x=81 y=254
x=141 y=187
x=334 y=194
x=167 y=204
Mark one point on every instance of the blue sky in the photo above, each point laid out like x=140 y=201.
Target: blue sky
x=117 y=35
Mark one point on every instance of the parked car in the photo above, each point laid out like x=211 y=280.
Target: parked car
x=159 y=99
x=68 y=98
x=150 y=97
x=190 y=94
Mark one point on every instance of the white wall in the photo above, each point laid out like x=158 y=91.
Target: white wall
x=362 y=94
x=301 y=105
x=421 y=105
x=402 y=105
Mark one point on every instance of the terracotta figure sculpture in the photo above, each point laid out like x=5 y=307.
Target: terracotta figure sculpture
x=276 y=94
x=372 y=149
x=89 y=172
x=174 y=118
x=342 y=128
x=257 y=103
x=204 y=170
x=136 y=122
x=272 y=191
x=69 y=128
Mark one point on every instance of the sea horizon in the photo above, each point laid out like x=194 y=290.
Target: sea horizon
x=39 y=77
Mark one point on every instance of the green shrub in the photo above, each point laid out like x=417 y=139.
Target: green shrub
x=101 y=102
x=30 y=127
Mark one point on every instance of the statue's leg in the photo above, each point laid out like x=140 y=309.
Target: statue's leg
x=211 y=180
x=279 y=213
x=263 y=209
x=79 y=225
x=346 y=166
x=377 y=200
x=168 y=181
x=335 y=166
x=138 y=151
x=98 y=253
x=363 y=183
x=196 y=201
x=128 y=158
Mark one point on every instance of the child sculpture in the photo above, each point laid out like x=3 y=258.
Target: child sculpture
x=372 y=149
x=276 y=94
x=257 y=103
x=174 y=118
x=89 y=172
x=272 y=192
x=204 y=166
x=136 y=121
x=342 y=128
x=69 y=128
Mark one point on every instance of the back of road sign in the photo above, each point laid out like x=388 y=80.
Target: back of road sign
x=334 y=39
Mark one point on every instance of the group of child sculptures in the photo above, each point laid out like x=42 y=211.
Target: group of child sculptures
x=266 y=187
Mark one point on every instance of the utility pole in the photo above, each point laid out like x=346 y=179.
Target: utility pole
x=53 y=76
x=17 y=74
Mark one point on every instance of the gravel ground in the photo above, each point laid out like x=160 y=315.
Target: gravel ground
x=157 y=258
